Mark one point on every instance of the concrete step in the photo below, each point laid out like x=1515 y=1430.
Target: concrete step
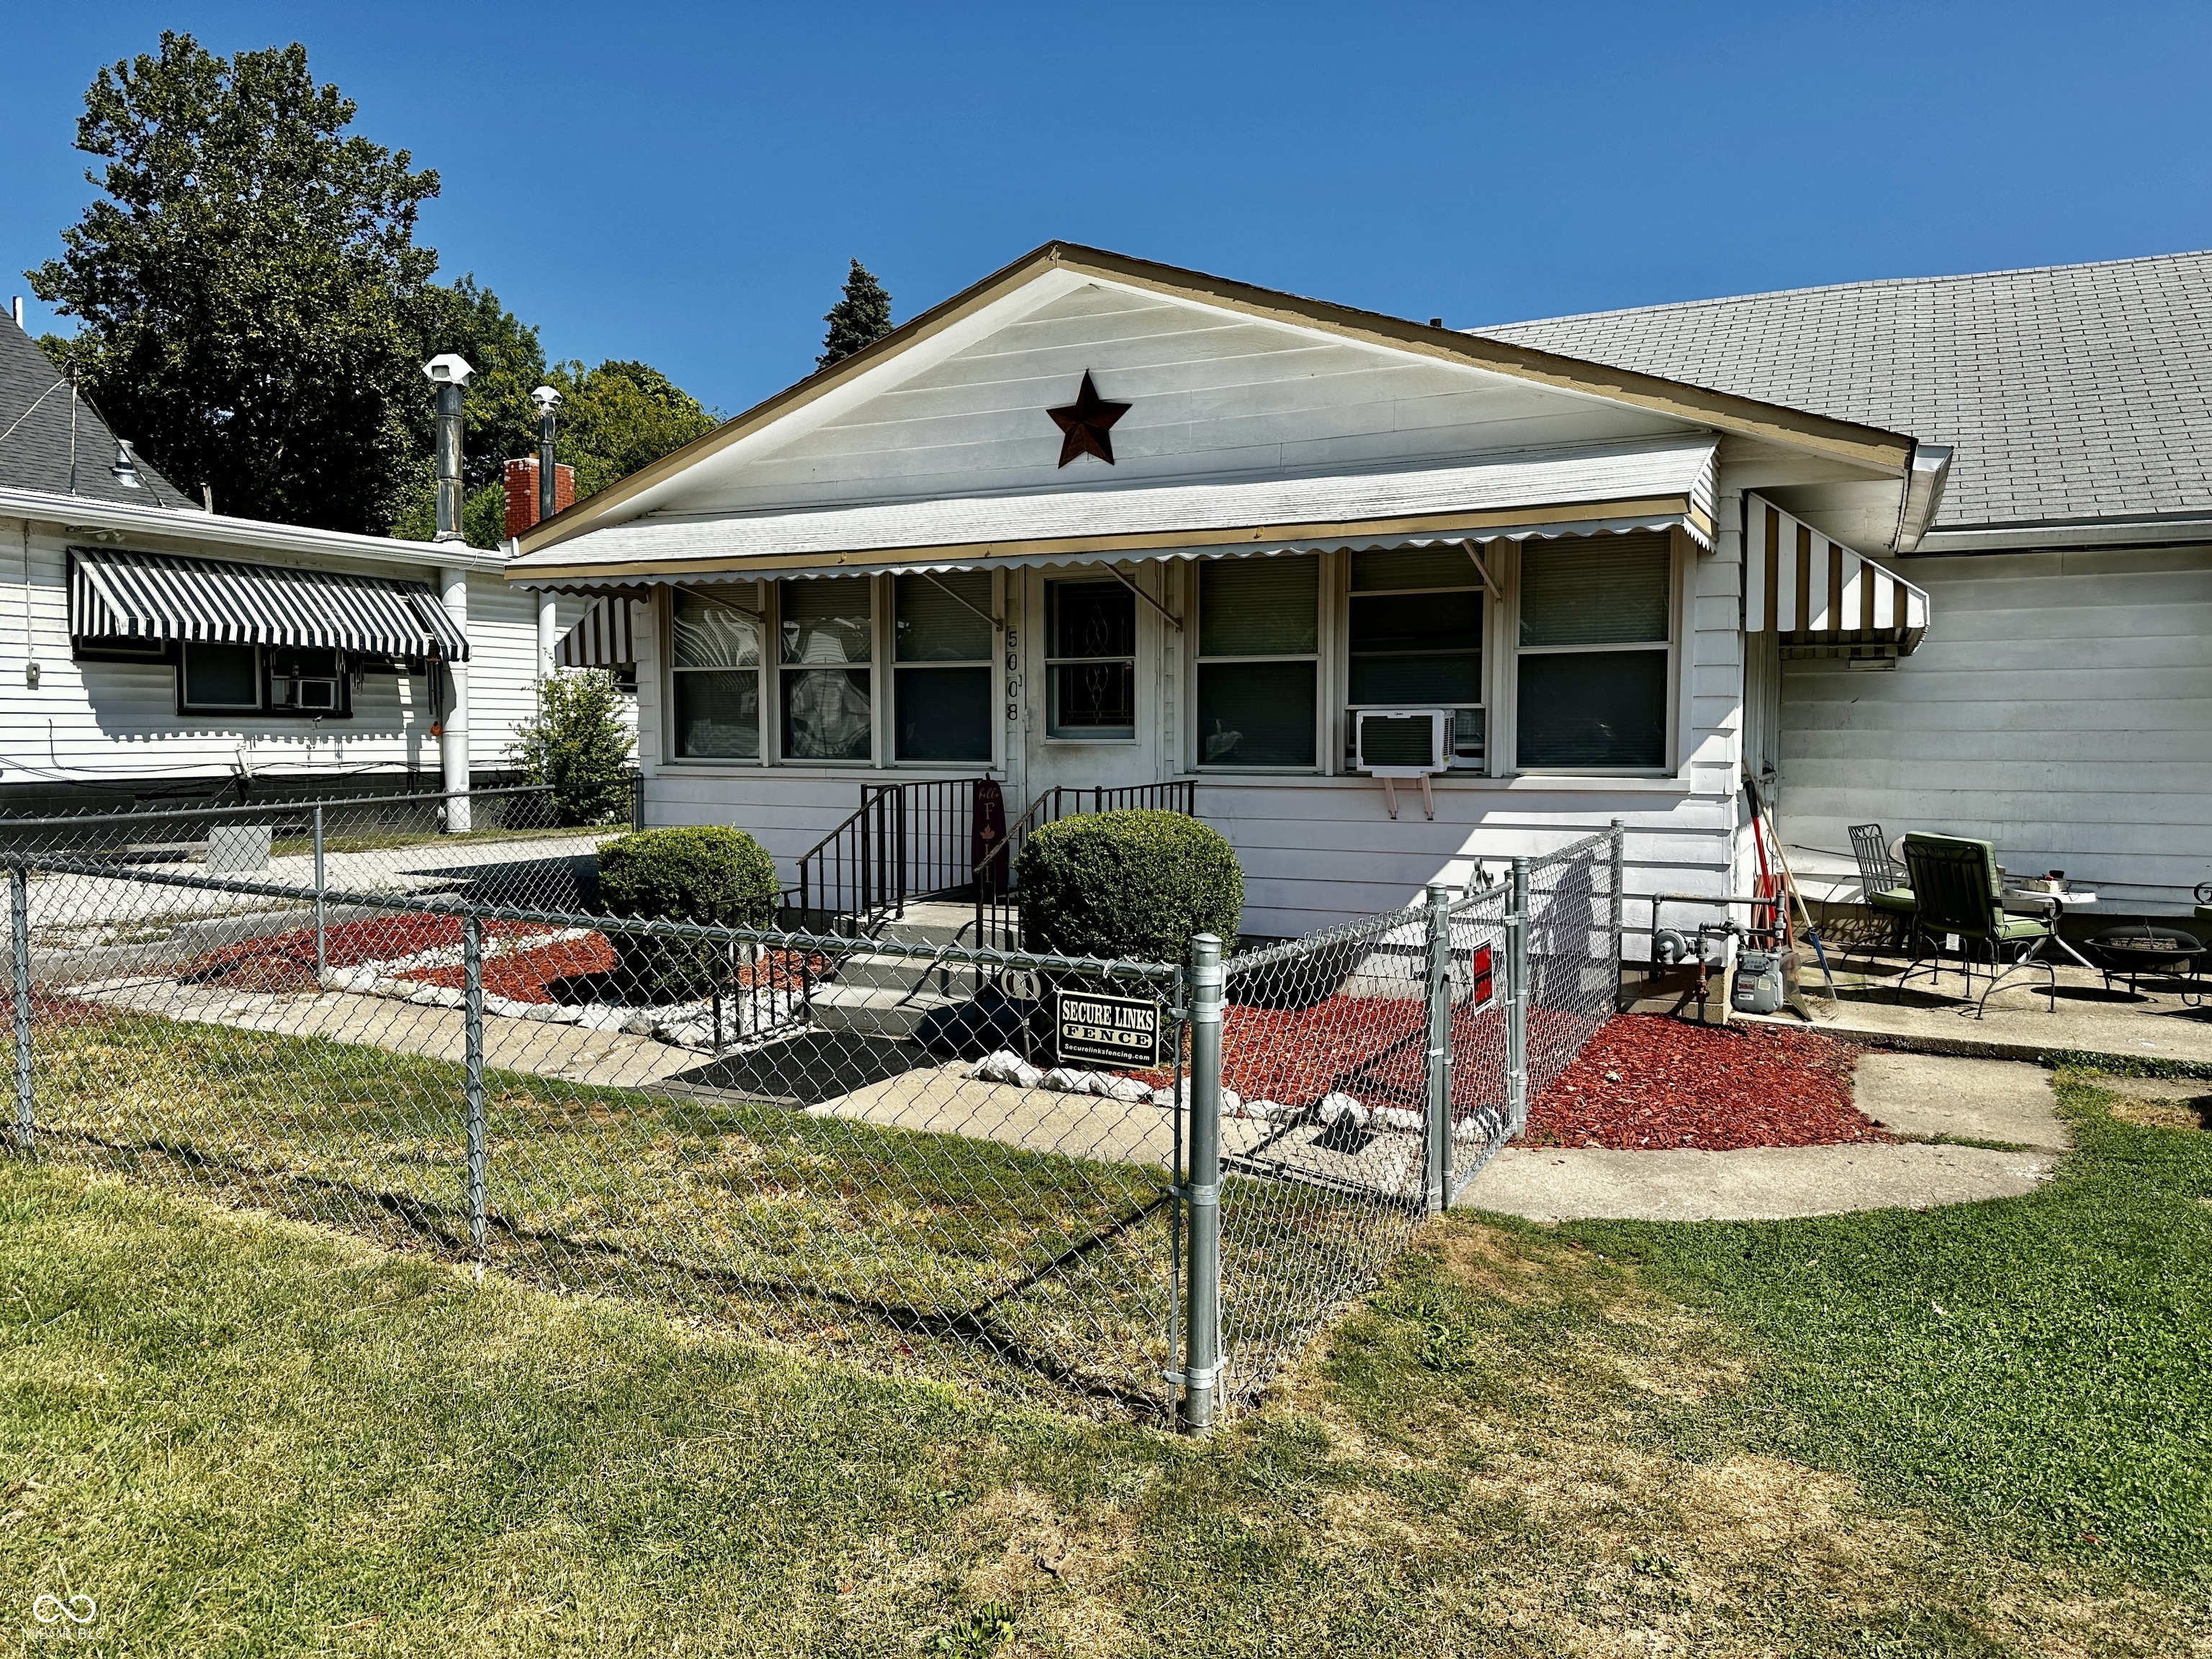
x=905 y=973
x=877 y=1011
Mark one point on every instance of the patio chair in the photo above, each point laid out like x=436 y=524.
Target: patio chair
x=1956 y=889
x=1884 y=886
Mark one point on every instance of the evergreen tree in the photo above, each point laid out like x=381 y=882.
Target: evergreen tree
x=860 y=318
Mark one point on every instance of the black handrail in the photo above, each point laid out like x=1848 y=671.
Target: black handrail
x=995 y=910
x=871 y=867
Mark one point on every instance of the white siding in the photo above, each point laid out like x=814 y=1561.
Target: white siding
x=96 y=722
x=1210 y=393
x=2061 y=707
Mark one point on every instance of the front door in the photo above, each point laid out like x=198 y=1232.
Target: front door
x=1093 y=666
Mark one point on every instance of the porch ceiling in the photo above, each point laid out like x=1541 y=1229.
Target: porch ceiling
x=1648 y=485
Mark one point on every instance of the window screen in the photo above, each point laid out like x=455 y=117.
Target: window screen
x=1415 y=623
x=828 y=711
x=714 y=670
x=1259 y=634
x=218 y=676
x=941 y=683
x=1581 y=708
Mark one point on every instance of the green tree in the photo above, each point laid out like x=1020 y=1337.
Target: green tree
x=860 y=319
x=618 y=417
x=577 y=746
x=249 y=295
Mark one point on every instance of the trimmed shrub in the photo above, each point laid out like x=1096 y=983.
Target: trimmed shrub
x=706 y=874
x=1133 y=884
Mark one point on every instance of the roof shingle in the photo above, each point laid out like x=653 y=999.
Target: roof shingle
x=2071 y=392
x=37 y=454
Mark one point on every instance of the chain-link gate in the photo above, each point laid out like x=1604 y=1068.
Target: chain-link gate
x=1120 y=1178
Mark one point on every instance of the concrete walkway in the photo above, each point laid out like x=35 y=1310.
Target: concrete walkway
x=1920 y=1096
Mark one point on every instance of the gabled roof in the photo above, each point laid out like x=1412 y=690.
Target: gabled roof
x=2072 y=392
x=1859 y=444
x=35 y=455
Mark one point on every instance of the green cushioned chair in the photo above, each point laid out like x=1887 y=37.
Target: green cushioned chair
x=1958 y=890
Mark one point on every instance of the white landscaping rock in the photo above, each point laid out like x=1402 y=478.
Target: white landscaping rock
x=1397 y=1117
x=1005 y=1065
x=1335 y=1109
x=1125 y=1088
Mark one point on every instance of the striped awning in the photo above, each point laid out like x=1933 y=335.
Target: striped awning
x=116 y=594
x=601 y=637
x=1819 y=597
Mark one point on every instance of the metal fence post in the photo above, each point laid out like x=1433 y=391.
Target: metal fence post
x=472 y=1019
x=1202 y=1349
x=322 y=956
x=1440 y=1102
x=1619 y=836
x=1516 y=997
x=19 y=943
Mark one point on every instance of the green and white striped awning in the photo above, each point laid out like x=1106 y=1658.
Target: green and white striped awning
x=117 y=594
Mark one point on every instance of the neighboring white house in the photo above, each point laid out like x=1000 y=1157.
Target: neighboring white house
x=1102 y=522
x=2062 y=707
x=150 y=648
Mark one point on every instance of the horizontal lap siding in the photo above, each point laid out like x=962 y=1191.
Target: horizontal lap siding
x=2061 y=707
x=1208 y=394
x=119 y=721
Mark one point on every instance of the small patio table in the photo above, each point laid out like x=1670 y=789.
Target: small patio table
x=2032 y=901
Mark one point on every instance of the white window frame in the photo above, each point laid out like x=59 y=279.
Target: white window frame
x=1505 y=720
x=878 y=717
x=1347 y=710
x=664 y=635
x=1325 y=648
x=1049 y=630
x=887 y=647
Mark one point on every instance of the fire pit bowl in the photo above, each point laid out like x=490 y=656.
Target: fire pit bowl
x=2141 y=948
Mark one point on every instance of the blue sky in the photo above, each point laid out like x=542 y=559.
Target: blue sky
x=684 y=185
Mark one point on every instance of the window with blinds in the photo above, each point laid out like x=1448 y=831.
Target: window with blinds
x=1413 y=640
x=714 y=673
x=1259 y=659
x=1596 y=624
x=828 y=680
x=941 y=665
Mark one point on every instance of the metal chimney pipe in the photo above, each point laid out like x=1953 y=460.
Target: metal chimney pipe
x=449 y=372
x=547 y=400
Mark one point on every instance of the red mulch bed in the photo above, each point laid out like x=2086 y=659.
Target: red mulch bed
x=278 y=963
x=1646 y=1082
x=49 y=1009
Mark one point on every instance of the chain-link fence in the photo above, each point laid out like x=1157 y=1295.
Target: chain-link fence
x=498 y=846
x=1118 y=1180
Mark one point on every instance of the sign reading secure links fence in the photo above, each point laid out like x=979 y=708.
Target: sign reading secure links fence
x=1149 y=1184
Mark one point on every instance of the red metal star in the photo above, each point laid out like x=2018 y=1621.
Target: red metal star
x=1086 y=423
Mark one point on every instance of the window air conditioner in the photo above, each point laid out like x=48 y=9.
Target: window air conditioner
x=315 y=694
x=1390 y=744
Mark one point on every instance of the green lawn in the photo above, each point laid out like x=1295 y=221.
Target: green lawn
x=242 y=1434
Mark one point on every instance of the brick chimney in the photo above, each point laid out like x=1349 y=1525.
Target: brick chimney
x=522 y=492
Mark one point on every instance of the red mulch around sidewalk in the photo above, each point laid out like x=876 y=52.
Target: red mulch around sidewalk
x=1646 y=1083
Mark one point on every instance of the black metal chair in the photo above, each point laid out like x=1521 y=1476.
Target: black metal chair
x=1887 y=890
x=1958 y=889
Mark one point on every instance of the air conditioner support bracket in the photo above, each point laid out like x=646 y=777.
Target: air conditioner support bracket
x=1428 y=799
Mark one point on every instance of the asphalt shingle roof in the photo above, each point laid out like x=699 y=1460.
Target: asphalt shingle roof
x=2071 y=392
x=35 y=455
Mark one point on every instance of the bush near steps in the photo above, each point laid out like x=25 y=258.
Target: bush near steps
x=705 y=873
x=1134 y=885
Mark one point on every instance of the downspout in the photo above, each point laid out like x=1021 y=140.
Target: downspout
x=450 y=373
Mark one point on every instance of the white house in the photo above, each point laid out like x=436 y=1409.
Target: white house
x=2062 y=706
x=1102 y=522
x=152 y=648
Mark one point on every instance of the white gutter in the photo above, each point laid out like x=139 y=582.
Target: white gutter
x=2078 y=532
x=75 y=512
x=1923 y=495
